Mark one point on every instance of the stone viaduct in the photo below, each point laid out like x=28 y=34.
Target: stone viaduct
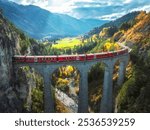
x=47 y=69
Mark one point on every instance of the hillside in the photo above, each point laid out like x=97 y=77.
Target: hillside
x=134 y=94
x=39 y=23
x=139 y=32
x=117 y=23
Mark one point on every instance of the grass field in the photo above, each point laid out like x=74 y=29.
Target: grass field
x=67 y=43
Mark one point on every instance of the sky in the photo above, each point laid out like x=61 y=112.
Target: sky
x=97 y=9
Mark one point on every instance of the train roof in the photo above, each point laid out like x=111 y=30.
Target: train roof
x=71 y=55
x=18 y=56
x=33 y=56
x=48 y=56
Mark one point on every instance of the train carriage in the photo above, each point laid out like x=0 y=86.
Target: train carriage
x=17 y=58
x=29 y=59
x=81 y=57
x=101 y=55
x=64 y=58
x=49 y=59
x=115 y=53
x=110 y=54
x=39 y=59
x=123 y=51
x=90 y=57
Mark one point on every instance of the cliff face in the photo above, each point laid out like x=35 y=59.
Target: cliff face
x=8 y=43
x=14 y=93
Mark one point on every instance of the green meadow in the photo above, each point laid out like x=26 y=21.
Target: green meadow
x=67 y=43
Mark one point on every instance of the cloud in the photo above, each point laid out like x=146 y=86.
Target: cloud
x=127 y=1
x=109 y=9
x=146 y=8
x=41 y=3
x=111 y=16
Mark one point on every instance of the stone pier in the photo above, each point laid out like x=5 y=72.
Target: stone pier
x=122 y=70
x=107 y=94
x=83 y=92
x=48 y=94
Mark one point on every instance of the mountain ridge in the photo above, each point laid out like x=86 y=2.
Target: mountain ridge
x=39 y=23
x=126 y=18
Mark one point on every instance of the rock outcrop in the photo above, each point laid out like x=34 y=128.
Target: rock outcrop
x=8 y=42
x=12 y=92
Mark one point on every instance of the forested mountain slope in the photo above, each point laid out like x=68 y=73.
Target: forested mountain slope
x=116 y=23
x=134 y=95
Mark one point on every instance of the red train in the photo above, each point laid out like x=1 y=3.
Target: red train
x=65 y=58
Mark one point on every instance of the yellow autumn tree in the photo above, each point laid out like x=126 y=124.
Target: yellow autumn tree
x=95 y=37
x=69 y=70
x=107 y=46
x=116 y=46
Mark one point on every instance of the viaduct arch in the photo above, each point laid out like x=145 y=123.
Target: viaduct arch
x=47 y=69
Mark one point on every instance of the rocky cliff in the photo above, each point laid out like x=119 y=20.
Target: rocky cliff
x=8 y=43
x=13 y=93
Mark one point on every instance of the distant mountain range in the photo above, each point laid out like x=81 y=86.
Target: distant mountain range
x=39 y=23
